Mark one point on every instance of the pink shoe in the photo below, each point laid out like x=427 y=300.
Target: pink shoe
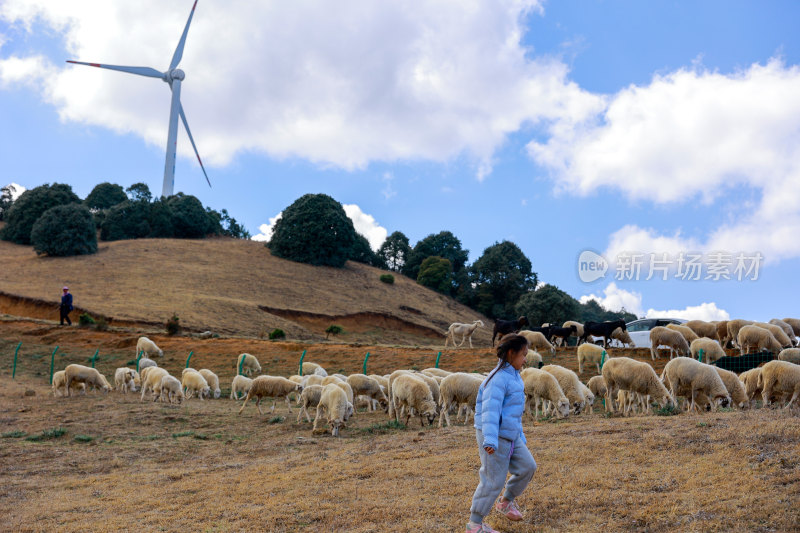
x=483 y=527
x=509 y=509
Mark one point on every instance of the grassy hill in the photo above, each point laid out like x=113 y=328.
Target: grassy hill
x=231 y=287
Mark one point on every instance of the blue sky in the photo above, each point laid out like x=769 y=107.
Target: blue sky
x=646 y=127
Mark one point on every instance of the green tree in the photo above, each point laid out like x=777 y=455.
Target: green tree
x=592 y=311
x=362 y=252
x=443 y=244
x=548 y=304
x=139 y=192
x=128 y=220
x=227 y=225
x=30 y=206
x=436 y=273
x=6 y=199
x=502 y=275
x=189 y=218
x=314 y=230
x=105 y=195
x=65 y=230
x=395 y=251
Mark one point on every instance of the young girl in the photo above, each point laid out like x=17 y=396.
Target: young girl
x=501 y=442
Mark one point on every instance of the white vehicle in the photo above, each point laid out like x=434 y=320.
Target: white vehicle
x=639 y=330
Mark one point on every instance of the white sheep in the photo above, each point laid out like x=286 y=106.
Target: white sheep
x=240 y=385
x=313 y=368
x=534 y=359
x=456 y=390
x=537 y=341
x=411 y=392
x=145 y=362
x=124 y=380
x=722 y=333
x=249 y=365
x=194 y=382
x=394 y=375
x=636 y=377
x=790 y=354
x=687 y=333
x=733 y=329
x=213 y=381
x=84 y=374
x=692 y=380
x=60 y=381
x=271 y=387
x=151 y=378
x=333 y=401
x=436 y=372
x=597 y=385
x=712 y=351
x=327 y=380
x=570 y=385
x=578 y=328
x=591 y=354
x=661 y=336
x=309 y=398
x=787 y=328
x=366 y=386
x=780 y=335
x=795 y=324
x=779 y=378
x=312 y=379
x=751 y=386
x=755 y=337
x=169 y=389
x=348 y=390
x=432 y=383
x=148 y=347
x=701 y=328
x=736 y=388
x=622 y=337
x=465 y=330
x=543 y=390
x=588 y=394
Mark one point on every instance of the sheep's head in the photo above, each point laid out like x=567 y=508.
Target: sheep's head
x=562 y=408
x=590 y=398
x=723 y=401
x=217 y=393
x=348 y=411
x=577 y=407
x=160 y=352
x=206 y=392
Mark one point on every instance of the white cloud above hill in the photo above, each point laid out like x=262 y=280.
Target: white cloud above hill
x=615 y=298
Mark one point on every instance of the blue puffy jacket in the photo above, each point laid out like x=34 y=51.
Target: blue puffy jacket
x=499 y=407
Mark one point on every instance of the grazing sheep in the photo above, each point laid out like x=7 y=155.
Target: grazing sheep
x=795 y=324
x=383 y=380
x=543 y=390
x=534 y=359
x=722 y=334
x=170 y=388
x=194 y=382
x=313 y=368
x=790 y=354
x=347 y=390
x=151 y=378
x=271 y=387
x=333 y=401
x=591 y=354
x=661 y=336
x=436 y=372
x=84 y=374
x=465 y=330
x=366 y=386
x=60 y=381
x=433 y=384
x=570 y=385
x=145 y=362
x=633 y=376
x=389 y=394
x=701 y=328
x=779 y=378
x=327 y=380
x=733 y=329
x=758 y=338
x=309 y=398
x=623 y=337
x=456 y=390
x=597 y=385
x=712 y=351
x=751 y=386
x=537 y=341
x=687 y=333
x=780 y=335
x=735 y=387
x=240 y=384
x=578 y=328
x=148 y=347
x=313 y=379
x=411 y=392
x=213 y=381
x=587 y=393
x=250 y=364
x=787 y=328
x=689 y=378
x=124 y=380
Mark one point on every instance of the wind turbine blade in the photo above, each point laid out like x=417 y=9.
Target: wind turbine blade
x=141 y=71
x=176 y=58
x=189 y=133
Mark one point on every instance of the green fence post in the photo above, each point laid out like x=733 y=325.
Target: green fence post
x=137 y=360
x=437 y=359
x=365 y=363
x=187 y=359
x=14 y=372
x=602 y=359
x=700 y=355
x=302 y=356
x=240 y=366
x=94 y=357
x=52 y=361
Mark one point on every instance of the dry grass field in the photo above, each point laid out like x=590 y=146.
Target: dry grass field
x=121 y=464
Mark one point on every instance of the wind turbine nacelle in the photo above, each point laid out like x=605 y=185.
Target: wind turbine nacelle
x=176 y=74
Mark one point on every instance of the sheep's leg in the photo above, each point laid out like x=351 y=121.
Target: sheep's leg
x=258 y=405
x=246 y=399
x=288 y=404
x=317 y=417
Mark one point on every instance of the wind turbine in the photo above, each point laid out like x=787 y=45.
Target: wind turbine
x=173 y=76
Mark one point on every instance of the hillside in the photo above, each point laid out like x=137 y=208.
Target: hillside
x=231 y=287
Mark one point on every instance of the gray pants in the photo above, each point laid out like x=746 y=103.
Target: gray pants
x=514 y=458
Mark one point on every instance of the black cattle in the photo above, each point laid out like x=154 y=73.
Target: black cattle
x=503 y=327
x=742 y=363
x=563 y=333
x=601 y=329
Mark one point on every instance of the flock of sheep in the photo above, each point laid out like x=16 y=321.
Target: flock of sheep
x=625 y=384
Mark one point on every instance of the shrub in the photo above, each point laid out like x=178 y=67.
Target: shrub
x=105 y=195
x=65 y=230
x=47 y=434
x=436 y=273
x=85 y=320
x=334 y=330
x=102 y=325
x=83 y=438
x=387 y=278
x=277 y=333
x=31 y=205
x=189 y=219
x=173 y=325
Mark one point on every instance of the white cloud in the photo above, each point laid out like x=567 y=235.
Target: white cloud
x=615 y=298
x=691 y=137
x=339 y=85
x=17 y=191
x=388 y=191
x=364 y=224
